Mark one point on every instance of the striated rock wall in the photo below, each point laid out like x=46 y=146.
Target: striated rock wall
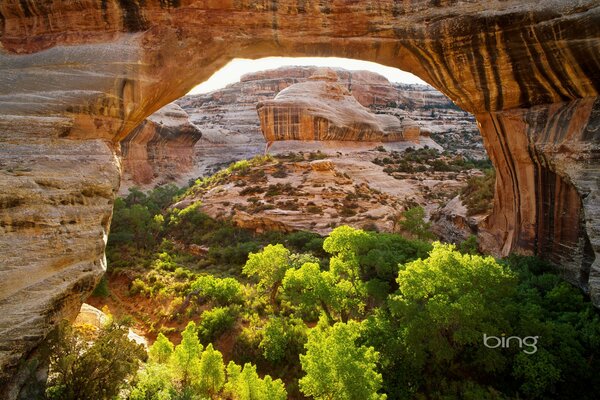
x=160 y=149
x=77 y=77
x=231 y=127
x=323 y=109
x=547 y=185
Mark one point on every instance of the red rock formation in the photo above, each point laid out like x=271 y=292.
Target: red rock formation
x=77 y=77
x=231 y=127
x=323 y=109
x=160 y=149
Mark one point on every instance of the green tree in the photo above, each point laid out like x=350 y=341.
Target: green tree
x=337 y=367
x=186 y=357
x=161 y=350
x=89 y=363
x=283 y=339
x=413 y=223
x=212 y=372
x=308 y=288
x=154 y=382
x=444 y=304
x=215 y=322
x=244 y=384
x=269 y=266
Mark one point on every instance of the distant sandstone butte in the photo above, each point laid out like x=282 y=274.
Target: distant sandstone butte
x=231 y=126
x=323 y=109
x=161 y=148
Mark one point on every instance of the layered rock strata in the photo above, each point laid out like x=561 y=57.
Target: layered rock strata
x=231 y=127
x=323 y=109
x=160 y=149
x=77 y=77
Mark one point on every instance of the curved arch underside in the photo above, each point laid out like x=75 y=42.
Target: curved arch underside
x=76 y=77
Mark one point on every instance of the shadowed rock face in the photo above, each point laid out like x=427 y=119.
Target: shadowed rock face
x=323 y=109
x=160 y=149
x=77 y=77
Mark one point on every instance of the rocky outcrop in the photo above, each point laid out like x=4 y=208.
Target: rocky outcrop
x=231 y=127
x=547 y=185
x=77 y=77
x=160 y=149
x=451 y=223
x=323 y=109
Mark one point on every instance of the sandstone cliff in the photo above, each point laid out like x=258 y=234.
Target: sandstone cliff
x=77 y=77
x=323 y=109
x=160 y=149
x=231 y=127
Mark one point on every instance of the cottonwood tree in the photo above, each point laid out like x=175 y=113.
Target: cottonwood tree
x=337 y=367
x=269 y=266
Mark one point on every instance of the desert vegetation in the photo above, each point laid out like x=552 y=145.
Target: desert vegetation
x=355 y=314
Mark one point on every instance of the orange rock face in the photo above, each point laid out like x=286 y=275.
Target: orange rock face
x=160 y=149
x=323 y=109
x=77 y=77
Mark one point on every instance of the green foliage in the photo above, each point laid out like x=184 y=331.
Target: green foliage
x=269 y=266
x=221 y=291
x=186 y=357
x=87 y=363
x=154 y=382
x=101 y=289
x=376 y=254
x=444 y=304
x=469 y=246
x=215 y=322
x=161 y=350
x=414 y=224
x=308 y=288
x=423 y=316
x=337 y=367
x=283 y=340
x=478 y=195
x=212 y=372
x=244 y=384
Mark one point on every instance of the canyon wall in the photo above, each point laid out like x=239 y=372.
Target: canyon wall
x=231 y=128
x=78 y=77
x=161 y=149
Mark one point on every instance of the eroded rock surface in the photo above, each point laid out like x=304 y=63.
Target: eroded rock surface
x=323 y=109
x=77 y=77
x=231 y=127
x=159 y=150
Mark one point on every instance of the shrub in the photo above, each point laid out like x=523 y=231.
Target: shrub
x=89 y=364
x=215 y=322
x=478 y=195
x=413 y=223
x=101 y=289
x=221 y=291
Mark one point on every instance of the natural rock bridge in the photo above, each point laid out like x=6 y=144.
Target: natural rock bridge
x=77 y=77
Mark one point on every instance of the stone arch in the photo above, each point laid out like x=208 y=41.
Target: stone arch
x=76 y=77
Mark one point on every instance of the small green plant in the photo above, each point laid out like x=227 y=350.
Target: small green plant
x=413 y=223
x=478 y=195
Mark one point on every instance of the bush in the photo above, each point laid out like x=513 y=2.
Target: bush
x=223 y=292
x=101 y=289
x=478 y=195
x=413 y=223
x=91 y=364
x=215 y=322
